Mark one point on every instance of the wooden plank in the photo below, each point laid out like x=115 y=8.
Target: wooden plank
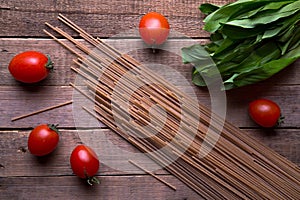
x=286 y=96
x=36 y=96
x=284 y=141
x=61 y=75
x=101 y=18
x=111 y=187
x=16 y=160
x=23 y=176
x=169 y=57
x=19 y=100
x=25 y=99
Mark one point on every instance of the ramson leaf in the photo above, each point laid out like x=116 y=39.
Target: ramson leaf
x=266 y=17
x=260 y=73
x=196 y=54
x=208 y=8
x=230 y=11
x=251 y=40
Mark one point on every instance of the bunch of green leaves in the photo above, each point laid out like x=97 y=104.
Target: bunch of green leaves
x=250 y=40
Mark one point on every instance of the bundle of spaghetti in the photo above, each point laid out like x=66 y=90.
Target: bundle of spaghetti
x=122 y=91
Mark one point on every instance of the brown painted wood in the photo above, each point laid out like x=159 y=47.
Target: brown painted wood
x=33 y=98
x=111 y=187
x=168 y=55
x=55 y=89
x=21 y=100
x=62 y=59
x=23 y=176
x=17 y=161
x=101 y=18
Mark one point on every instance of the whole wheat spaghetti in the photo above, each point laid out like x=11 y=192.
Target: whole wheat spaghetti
x=236 y=167
x=41 y=110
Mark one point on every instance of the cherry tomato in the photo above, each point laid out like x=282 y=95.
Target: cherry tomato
x=154 y=28
x=43 y=139
x=265 y=112
x=85 y=163
x=30 y=66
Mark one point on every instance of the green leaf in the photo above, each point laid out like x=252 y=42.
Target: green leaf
x=236 y=53
x=216 y=37
x=197 y=79
x=294 y=37
x=276 y=5
x=262 y=19
x=261 y=73
x=289 y=27
x=271 y=32
x=294 y=53
x=268 y=6
x=238 y=33
x=251 y=40
x=282 y=28
x=226 y=43
x=230 y=11
x=197 y=55
x=261 y=55
x=207 y=8
x=204 y=70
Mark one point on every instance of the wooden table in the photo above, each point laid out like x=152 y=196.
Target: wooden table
x=23 y=176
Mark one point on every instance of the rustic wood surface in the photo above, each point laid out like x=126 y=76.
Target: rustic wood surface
x=23 y=176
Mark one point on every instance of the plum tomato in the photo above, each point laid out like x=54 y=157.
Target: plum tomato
x=43 y=139
x=265 y=113
x=30 y=66
x=154 y=28
x=85 y=163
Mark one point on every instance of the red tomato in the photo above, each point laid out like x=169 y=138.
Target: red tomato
x=265 y=112
x=85 y=163
x=30 y=66
x=154 y=28
x=43 y=139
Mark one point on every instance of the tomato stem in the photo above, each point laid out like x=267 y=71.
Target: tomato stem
x=53 y=127
x=49 y=65
x=92 y=180
x=280 y=120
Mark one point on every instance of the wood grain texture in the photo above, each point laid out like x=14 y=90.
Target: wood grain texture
x=34 y=98
x=282 y=88
x=111 y=187
x=168 y=56
x=38 y=97
x=16 y=160
x=101 y=18
x=23 y=176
